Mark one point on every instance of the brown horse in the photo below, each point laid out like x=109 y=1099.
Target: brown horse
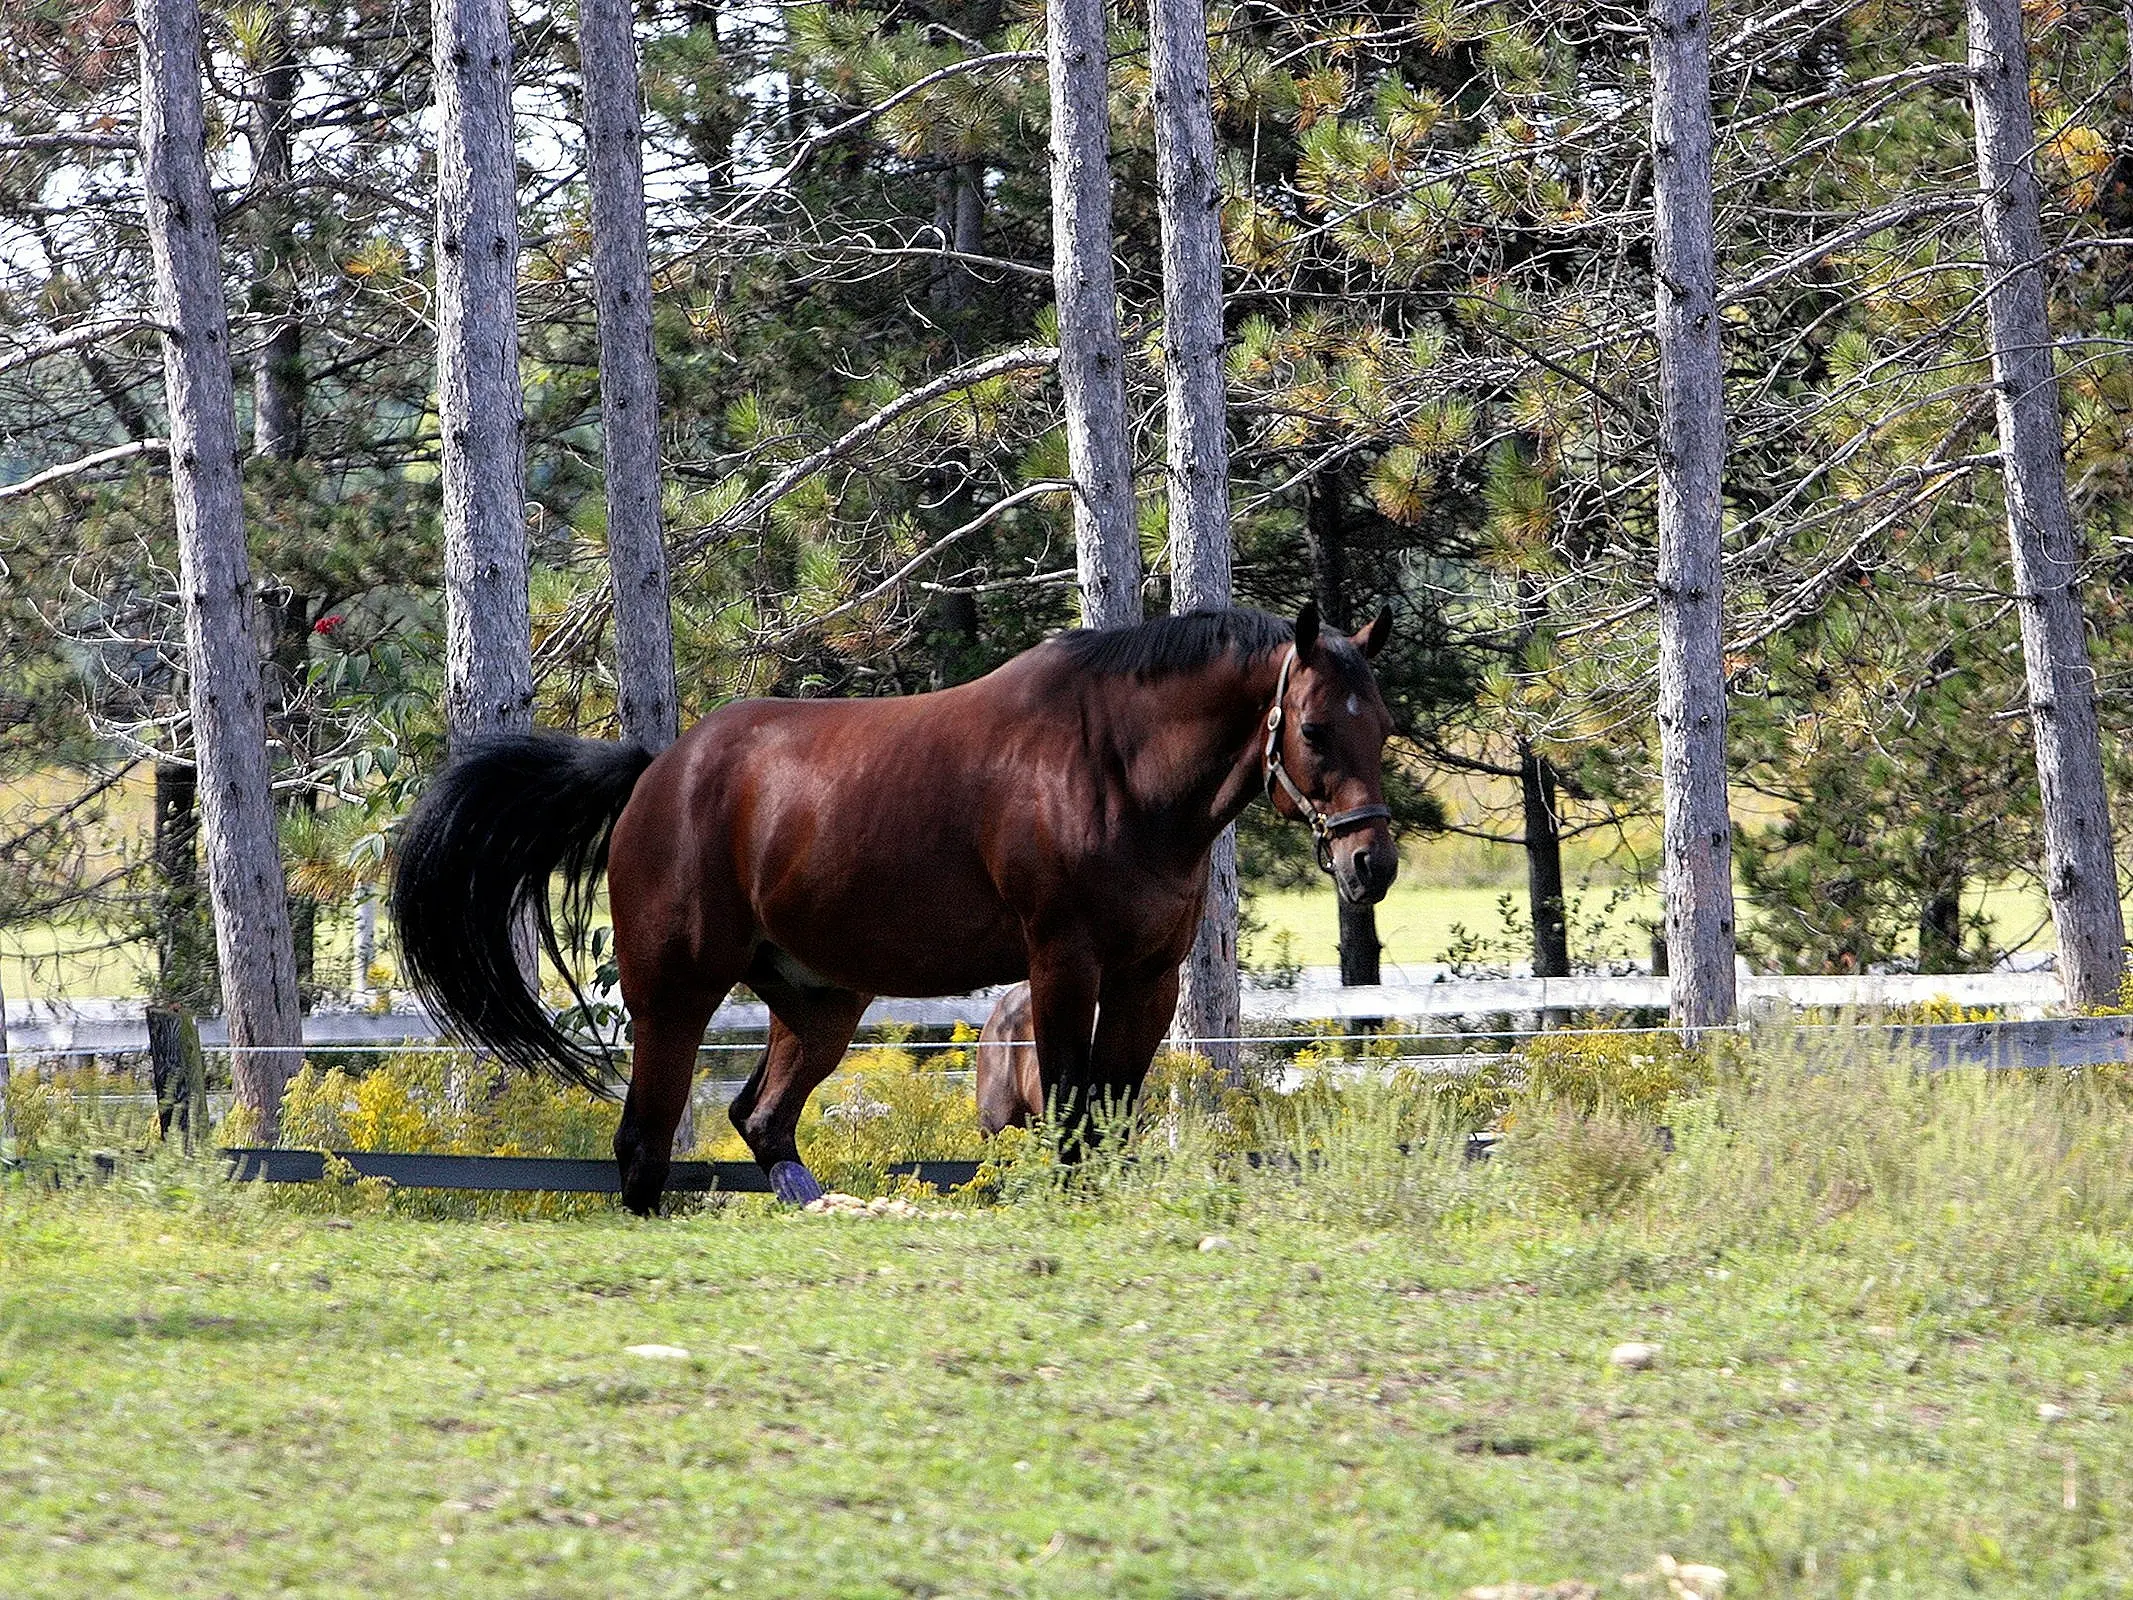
x=1051 y=820
x=1010 y=1083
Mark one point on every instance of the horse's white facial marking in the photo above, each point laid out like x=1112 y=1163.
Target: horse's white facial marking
x=1353 y=707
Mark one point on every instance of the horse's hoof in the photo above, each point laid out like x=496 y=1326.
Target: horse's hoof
x=794 y=1184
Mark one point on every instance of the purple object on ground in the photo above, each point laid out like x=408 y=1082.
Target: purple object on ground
x=794 y=1184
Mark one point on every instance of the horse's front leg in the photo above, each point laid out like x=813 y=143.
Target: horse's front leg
x=1064 y=981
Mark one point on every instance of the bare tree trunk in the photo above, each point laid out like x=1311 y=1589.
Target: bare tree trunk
x=278 y=367
x=278 y=398
x=1092 y=364
x=1544 y=864
x=365 y=952
x=185 y=962
x=481 y=408
x=1698 y=836
x=1940 y=926
x=959 y=219
x=648 y=699
x=488 y=669
x=7 y=1074
x=1326 y=535
x=2080 y=875
x=1188 y=201
x=244 y=870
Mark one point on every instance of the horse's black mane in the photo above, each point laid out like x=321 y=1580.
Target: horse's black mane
x=1164 y=646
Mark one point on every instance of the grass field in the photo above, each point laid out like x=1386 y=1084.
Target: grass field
x=1894 y=1364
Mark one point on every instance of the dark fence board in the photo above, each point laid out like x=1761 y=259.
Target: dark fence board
x=547 y=1174
x=1999 y=1046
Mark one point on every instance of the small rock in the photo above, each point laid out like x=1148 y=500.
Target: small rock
x=2047 y=1412
x=1568 y=1589
x=1214 y=1241
x=1635 y=1356
x=1691 y=1580
x=657 y=1352
x=1788 y=1386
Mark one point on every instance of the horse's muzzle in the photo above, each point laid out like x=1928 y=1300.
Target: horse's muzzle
x=1364 y=865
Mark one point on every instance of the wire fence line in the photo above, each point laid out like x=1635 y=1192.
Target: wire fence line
x=102 y=1026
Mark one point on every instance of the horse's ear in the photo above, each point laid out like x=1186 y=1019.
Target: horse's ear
x=1306 y=630
x=1372 y=639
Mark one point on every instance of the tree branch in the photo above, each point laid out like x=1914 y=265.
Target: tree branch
x=88 y=463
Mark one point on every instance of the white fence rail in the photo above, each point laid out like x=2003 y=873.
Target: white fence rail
x=101 y=1026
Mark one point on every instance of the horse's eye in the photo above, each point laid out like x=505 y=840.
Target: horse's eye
x=1316 y=734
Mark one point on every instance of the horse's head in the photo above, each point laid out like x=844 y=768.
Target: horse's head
x=1325 y=753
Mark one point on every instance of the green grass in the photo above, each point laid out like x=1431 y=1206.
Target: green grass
x=1421 y=922
x=1421 y=919
x=1394 y=1380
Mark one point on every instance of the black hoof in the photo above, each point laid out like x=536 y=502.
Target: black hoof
x=642 y=1189
x=794 y=1184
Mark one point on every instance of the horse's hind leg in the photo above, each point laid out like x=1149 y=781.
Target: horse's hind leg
x=813 y=1027
x=662 y=1074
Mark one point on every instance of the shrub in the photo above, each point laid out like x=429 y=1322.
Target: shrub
x=414 y=1100
x=74 y=1112
x=434 y=1100
x=883 y=1106
x=2088 y=1283
x=1592 y=1162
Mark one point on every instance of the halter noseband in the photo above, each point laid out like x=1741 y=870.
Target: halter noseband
x=1323 y=827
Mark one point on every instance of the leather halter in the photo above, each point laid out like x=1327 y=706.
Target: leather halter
x=1323 y=827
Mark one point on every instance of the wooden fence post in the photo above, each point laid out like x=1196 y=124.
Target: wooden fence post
x=178 y=1070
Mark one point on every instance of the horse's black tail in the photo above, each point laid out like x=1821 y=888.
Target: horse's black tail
x=474 y=859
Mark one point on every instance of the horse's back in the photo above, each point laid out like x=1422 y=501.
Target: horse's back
x=861 y=837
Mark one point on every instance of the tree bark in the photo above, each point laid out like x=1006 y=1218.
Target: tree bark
x=244 y=870
x=278 y=392
x=278 y=367
x=177 y=1072
x=1326 y=536
x=278 y=400
x=647 y=697
x=481 y=408
x=2080 y=874
x=1940 y=927
x=1188 y=201
x=185 y=963
x=364 y=954
x=1697 y=833
x=1544 y=864
x=7 y=1075
x=1092 y=363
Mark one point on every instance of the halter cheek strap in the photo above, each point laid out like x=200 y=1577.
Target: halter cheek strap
x=1323 y=827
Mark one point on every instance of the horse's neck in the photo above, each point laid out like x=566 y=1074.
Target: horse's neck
x=1198 y=745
